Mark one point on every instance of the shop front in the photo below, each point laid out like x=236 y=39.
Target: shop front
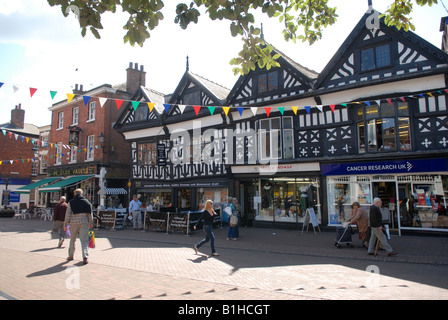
x=279 y=198
x=412 y=191
x=182 y=196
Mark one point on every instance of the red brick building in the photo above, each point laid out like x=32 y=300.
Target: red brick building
x=17 y=155
x=83 y=150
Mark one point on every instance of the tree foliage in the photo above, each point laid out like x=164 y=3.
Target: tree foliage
x=303 y=20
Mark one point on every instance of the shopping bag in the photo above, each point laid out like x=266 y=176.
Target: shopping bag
x=67 y=233
x=91 y=239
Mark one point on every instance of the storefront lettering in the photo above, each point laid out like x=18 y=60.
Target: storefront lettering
x=72 y=172
x=380 y=167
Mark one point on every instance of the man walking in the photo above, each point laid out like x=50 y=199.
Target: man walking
x=134 y=210
x=377 y=228
x=79 y=217
x=58 y=220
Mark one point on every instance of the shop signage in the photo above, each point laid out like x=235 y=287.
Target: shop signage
x=186 y=185
x=385 y=167
x=278 y=168
x=61 y=172
x=161 y=155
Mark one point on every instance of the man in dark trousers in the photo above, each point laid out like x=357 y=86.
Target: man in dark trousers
x=79 y=217
x=58 y=220
x=376 y=227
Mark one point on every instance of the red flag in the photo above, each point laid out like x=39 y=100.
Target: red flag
x=119 y=103
x=332 y=106
x=390 y=101
x=268 y=110
x=196 y=109
x=32 y=91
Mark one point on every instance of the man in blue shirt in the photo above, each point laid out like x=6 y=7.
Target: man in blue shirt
x=134 y=209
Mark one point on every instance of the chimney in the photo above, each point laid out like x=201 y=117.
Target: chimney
x=444 y=29
x=135 y=78
x=78 y=90
x=18 y=116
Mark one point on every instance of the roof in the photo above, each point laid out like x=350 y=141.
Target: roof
x=28 y=129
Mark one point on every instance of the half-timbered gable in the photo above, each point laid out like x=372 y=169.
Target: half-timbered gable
x=264 y=87
x=376 y=56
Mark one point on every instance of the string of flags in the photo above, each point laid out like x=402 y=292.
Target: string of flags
x=166 y=107
x=43 y=144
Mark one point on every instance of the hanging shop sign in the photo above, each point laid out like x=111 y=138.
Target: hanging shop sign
x=61 y=172
x=385 y=167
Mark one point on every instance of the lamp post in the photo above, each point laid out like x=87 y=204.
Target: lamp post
x=102 y=139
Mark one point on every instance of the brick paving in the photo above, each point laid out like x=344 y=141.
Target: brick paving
x=264 y=264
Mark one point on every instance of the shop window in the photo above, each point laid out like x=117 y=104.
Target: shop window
x=375 y=58
x=147 y=154
x=381 y=129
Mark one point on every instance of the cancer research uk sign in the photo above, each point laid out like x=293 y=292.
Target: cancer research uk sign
x=385 y=167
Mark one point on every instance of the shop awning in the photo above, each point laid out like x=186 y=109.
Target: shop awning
x=67 y=182
x=27 y=189
x=114 y=191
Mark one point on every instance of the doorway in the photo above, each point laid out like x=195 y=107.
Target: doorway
x=387 y=192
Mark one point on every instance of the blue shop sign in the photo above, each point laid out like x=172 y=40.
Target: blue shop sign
x=385 y=167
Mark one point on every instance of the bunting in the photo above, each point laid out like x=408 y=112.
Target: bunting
x=227 y=109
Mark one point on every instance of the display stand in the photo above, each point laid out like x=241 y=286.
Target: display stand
x=310 y=217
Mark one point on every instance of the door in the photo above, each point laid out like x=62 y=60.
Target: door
x=387 y=192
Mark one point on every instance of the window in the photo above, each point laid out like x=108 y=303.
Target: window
x=90 y=147
x=375 y=58
x=73 y=151
x=60 y=120
x=383 y=128
x=92 y=107
x=147 y=154
x=75 y=115
x=59 y=153
x=268 y=82
x=43 y=165
x=276 y=138
x=141 y=113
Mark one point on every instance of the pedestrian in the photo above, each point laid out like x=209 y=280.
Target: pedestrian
x=239 y=215
x=376 y=228
x=58 y=220
x=233 y=220
x=207 y=216
x=134 y=210
x=362 y=221
x=79 y=217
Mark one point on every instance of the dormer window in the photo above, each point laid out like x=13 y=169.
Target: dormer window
x=268 y=82
x=375 y=57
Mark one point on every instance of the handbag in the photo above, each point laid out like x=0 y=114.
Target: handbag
x=233 y=221
x=91 y=239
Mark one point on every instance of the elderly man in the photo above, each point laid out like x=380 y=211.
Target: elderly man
x=376 y=227
x=79 y=217
x=58 y=220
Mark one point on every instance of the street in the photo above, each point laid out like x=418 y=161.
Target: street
x=264 y=264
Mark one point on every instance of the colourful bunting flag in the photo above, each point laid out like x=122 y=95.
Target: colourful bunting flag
x=167 y=107
x=254 y=110
x=102 y=101
x=226 y=110
x=135 y=104
x=197 y=109
x=332 y=107
x=295 y=109
x=70 y=96
x=212 y=110
x=119 y=103
x=281 y=109
x=53 y=94
x=240 y=110
x=308 y=109
x=268 y=110
x=151 y=106
x=1 y=84
x=86 y=99
x=32 y=91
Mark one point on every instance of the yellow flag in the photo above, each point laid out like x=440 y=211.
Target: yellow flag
x=295 y=109
x=151 y=106
x=226 y=110
x=70 y=96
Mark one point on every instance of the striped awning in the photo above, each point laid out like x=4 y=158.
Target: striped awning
x=113 y=191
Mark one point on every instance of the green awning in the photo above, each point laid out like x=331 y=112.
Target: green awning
x=27 y=189
x=67 y=182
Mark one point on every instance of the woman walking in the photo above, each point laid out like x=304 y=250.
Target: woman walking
x=207 y=216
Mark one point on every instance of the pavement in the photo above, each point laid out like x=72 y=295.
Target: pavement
x=262 y=265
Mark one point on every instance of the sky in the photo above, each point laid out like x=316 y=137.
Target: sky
x=40 y=48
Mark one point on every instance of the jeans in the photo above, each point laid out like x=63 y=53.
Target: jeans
x=209 y=236
x=232 y=232
x=383 y=240
x=83 y=231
